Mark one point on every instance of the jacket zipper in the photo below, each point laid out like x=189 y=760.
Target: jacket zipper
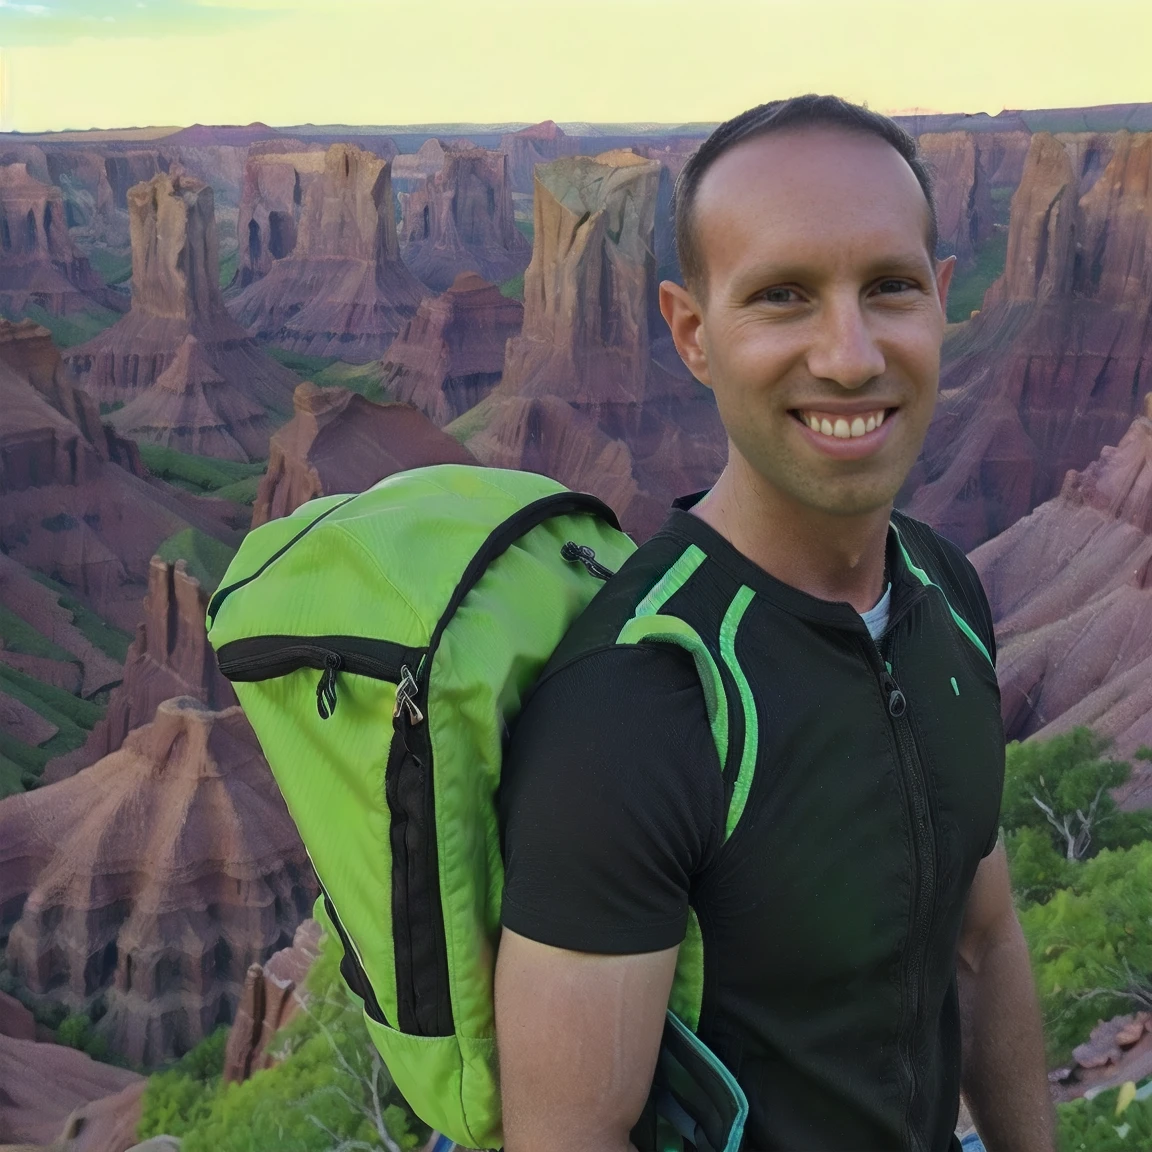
x=924 y=880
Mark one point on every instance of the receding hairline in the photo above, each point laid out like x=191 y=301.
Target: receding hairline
x=694 y=271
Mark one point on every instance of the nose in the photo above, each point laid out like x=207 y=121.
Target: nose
x=843 y=347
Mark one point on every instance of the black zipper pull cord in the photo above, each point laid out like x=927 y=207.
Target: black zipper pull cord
x=581 y=554
x=326 y=689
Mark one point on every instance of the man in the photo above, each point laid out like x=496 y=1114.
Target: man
x=840 y=869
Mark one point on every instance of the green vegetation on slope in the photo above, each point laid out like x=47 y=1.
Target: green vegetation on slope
x=329 y=1090
x=112 y=266
x=1118 y=1120
x=199 y=474
x=228 y=263
x=331 y=372
x=21 y=765
x=18 y=635
x=966 y=294
x=207 y=559
x=108 y=638
x=68 y=331
x=513 y=288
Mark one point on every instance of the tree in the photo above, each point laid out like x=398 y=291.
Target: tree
x=1091 y=945
x=1061 y=786
x=329 y=1092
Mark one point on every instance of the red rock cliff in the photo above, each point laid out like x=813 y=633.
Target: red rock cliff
x=452 y=353
x=1055 y=366
x=170 y=656
x=276 y=176
x=154 y=879
x=338 y=441
x=176 y=293
x=962 y=190
x=460 y=220
x=582 y=398
x=540 y=144
x=74 y=503
x=39 y=265
x=1071 y=592
x=344 y=290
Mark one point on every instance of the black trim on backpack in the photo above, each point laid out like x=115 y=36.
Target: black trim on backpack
x=266 y=657
x=423 y=996
x=354 y=976
x=504 y=535
x=223 y=593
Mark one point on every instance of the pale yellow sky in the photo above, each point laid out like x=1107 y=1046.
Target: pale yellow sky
x=115 y=63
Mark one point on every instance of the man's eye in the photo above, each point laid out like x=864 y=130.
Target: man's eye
x=777 y=295
x=890 y=286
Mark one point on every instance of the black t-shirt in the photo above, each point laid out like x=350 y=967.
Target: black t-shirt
x=830 y=915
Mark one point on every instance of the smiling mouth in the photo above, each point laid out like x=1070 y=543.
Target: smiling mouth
x=838 y=426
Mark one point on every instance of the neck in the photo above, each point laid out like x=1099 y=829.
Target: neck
x=829 y=556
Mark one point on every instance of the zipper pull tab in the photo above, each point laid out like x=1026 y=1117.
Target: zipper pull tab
x=581 y=554
x=897 y=702
x=326 y=689
x=406 y=697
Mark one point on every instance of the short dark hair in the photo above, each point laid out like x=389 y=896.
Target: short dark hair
x=799 y=111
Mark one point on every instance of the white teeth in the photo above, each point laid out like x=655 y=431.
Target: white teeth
x=840 y=427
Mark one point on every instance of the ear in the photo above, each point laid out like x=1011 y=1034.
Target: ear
x=685 y=321
x=944 y=270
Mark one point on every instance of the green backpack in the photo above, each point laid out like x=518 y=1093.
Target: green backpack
x=380 y=645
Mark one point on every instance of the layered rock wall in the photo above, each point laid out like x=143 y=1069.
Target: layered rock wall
x=338 y=441
x=153 y=880
x=1057 y=363
x=1070 y=587
x=176 y=293
x=452 y=353
x=344 y=290
x=460 y=220
x=962 y=191
x=540 y=144
x=276 y=176
x=582 y=398
x=75 y=502
x=39 y=264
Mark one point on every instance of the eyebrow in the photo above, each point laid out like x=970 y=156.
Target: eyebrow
x=761 y=275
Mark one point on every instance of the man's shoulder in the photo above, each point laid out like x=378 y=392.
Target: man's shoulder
x=946 y=565
x=599 y=625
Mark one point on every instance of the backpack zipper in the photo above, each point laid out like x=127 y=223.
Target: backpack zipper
x=268 y=657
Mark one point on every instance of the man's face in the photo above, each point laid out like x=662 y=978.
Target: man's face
x=820 y=334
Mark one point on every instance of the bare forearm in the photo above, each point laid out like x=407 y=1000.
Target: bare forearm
x=1004 y=1076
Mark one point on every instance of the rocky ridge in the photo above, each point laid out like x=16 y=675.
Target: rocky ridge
x=176 y=293
x=1070 y=587
x=343 y=291
x=153 y=879
x=460 y=219
x=75 y=501
x=1055 y=366
x=583 y=397
x=451 y=355
x=170 y=656
x=338 y=441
